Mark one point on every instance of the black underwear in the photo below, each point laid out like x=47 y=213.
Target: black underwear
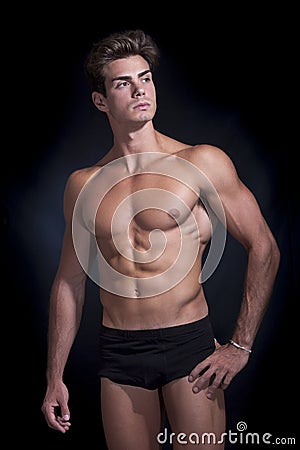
x=152 y=358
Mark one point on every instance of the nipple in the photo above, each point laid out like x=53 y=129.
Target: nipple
x=174 y=213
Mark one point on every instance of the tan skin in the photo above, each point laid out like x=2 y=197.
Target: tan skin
x=194 y=404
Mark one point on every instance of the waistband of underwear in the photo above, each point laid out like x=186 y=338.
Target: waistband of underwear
x=156 y=332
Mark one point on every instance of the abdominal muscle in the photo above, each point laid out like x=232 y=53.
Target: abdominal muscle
x=183 y=303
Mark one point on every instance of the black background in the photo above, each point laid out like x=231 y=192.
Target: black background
x=227 y=78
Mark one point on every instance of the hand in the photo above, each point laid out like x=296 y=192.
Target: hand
x=218 y=369
x=55 y=407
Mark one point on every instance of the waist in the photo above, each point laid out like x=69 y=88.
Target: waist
x=163 y=332
x=175 y=307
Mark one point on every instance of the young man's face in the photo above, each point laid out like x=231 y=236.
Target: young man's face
x=130 y=91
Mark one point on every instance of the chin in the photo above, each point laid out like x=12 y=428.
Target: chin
x=145 y=116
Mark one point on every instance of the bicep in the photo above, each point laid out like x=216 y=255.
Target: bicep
x=244 y=219
x=70 y=267
x=79 y=250
x=243 y=216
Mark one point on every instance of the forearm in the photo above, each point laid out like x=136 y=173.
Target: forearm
x=65 y=312
x=261 y=273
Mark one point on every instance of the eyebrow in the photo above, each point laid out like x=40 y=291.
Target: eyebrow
x=129 y=77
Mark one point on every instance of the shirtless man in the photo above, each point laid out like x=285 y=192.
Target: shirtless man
x=143 y=216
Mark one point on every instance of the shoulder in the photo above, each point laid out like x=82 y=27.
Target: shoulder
x=81 y=176
x=75 y=182
x=213 y=161
x=77 y=179
x=207 y=154
x=215 y=164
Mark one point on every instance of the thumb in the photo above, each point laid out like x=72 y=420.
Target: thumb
x=65 y=413
x=217 y=344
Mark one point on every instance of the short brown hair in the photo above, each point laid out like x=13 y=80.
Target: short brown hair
x=117 y=46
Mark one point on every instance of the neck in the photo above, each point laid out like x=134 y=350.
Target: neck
x=140 y=140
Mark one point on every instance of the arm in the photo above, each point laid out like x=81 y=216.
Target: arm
x=65 y=310
x=246 y=224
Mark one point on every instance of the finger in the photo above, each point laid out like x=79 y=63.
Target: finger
x=212 y=389
x=63 y=421
x=218 y=384
x=56 y=425
x=64 y=417
x=65 y=413
x=212 y=378
x=203 y=381
x=198 y=371
x=54 y=421
x=65 y=425
x=225 y=382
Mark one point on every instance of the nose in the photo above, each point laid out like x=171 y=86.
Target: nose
x=138 y=92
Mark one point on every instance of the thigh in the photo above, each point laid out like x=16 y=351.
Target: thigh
x=194 y=415
x=132 y=416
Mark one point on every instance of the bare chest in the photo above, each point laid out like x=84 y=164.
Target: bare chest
x=148 y=202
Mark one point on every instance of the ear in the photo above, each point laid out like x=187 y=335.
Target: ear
x=99 y=101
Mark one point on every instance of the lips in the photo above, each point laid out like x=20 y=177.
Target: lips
x=141 y=106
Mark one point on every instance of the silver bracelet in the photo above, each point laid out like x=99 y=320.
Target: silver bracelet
x=239 y=346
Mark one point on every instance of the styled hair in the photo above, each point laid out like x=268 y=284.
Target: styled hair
x=117 y=46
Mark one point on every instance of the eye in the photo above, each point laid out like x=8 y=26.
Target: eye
x=122 y=84
x=146 y=79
